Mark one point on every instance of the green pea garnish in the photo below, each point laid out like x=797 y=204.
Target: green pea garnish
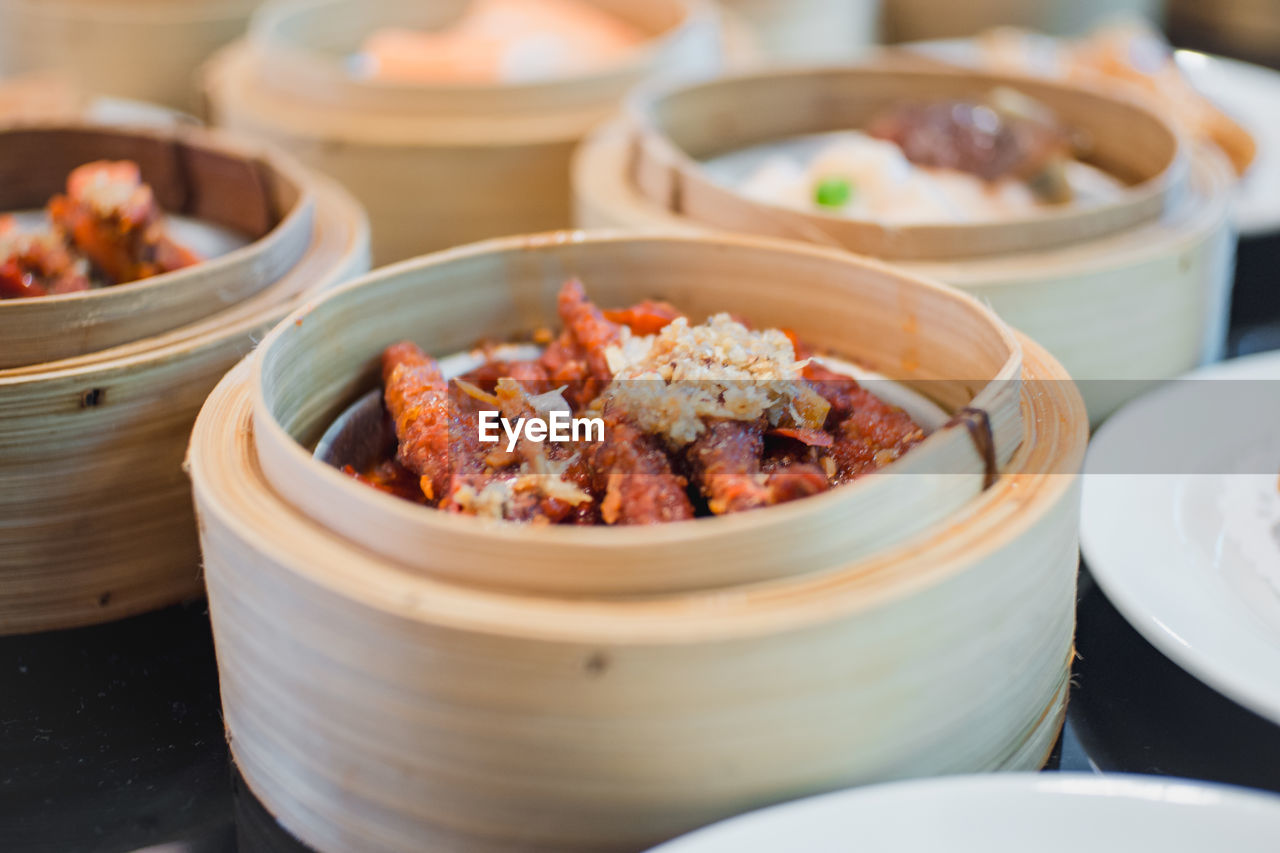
x=834 y=192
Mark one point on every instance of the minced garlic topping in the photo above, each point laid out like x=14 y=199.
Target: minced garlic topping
x=668 y=382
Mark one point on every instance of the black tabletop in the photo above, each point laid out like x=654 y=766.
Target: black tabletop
x=111 y=737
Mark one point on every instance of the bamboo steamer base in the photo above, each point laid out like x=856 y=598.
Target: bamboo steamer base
x=373 y=709
x=98 y=522
x=435 y=166
x=1119 y=312
x=491 y=189
x=147 y=50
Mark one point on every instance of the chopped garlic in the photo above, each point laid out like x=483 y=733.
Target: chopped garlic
x=668 y=382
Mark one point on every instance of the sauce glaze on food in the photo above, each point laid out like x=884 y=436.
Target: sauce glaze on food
x=107 y=229
x=698 y=420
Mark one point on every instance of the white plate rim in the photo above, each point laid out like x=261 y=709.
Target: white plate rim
x=1176 y=630
x=998 y=789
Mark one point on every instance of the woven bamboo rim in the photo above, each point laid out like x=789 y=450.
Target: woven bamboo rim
x=676 y=128
x=949 y=346
x=377 y=708
x=98 y=521
x=194 y=172
x=436 y=166
x=1147 y=303
x=291 y=42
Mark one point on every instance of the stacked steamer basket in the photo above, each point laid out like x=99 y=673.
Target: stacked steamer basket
x=98 y=389
x=1135 y=289
x=435 y=165
x=911 y=20
x=147 y=50
x=803 y=30
x=395 y=678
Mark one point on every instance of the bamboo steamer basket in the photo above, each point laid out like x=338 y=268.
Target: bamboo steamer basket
x=959 y=355
x=804 y=30
x=912 y=20
x=1120 y=308
x=676 y=128
x=97 y=518
x=148 y=50
x=373 y=706
x=193 y=172
x=435 y=166
x=1237 y=27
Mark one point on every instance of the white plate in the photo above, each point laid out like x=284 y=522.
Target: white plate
x=1248 y=93
x=1189 y=551
x=1006 y=813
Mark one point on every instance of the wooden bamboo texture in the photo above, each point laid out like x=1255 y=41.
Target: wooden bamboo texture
x=376 y=709
x=1237 y=27
x=1145 y=303
x=675 y=129
x=96 y=511
x=147 y=50
x=193 y=172
x=436 y=166
x=955 y=350
x=912 y=20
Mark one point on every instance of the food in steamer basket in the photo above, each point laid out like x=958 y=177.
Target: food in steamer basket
x=695 y=420
x=956 y=160
x=105 y=230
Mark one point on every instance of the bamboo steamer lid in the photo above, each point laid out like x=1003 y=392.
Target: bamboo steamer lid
x=147 y=50
x=435 y=165
x=97 y=513
x=193 y=172
x=374 y=707
x=1137 y=305
x=953 y=349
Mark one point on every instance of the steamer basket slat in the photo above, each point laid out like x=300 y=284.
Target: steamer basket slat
x=373 y=707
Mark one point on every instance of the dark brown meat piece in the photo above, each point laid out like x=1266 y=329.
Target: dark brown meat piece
x=724 y=462
x=872 y=436
x=577 y=357
x=531 y=374
x=728 y=466
x=438 y=439
x=391 y=477
x=971 y=137
x=635 y=477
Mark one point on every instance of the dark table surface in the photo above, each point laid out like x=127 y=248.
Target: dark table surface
x=111 y=737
